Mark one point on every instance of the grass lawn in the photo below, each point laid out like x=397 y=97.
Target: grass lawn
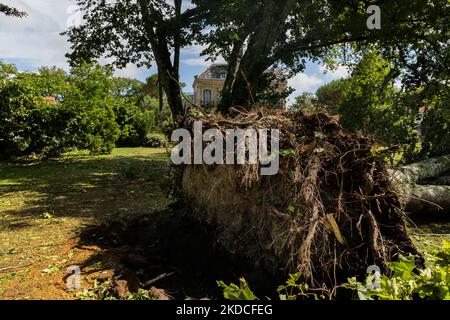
x=45 y=206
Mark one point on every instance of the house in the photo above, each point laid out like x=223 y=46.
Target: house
x=208 y=86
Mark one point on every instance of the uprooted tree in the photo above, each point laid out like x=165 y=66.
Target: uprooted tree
x=329 y=212
x=332 y=210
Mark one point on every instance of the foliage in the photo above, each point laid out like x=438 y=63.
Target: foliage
x=369 y=99
x=295 y=289
x=138 y=32
x=99 y=291
x=305 y=102
x=94 y=125
x=370 y=102
x=10 y=11
x=409 y=282
x=49 y=112
x=435 y=128
x=330 y=96
x=291 y=32
x=258 y=35
x=151 y=87
x=416 y=120
x=235 y=292
x=29 y=124
x=156 y=140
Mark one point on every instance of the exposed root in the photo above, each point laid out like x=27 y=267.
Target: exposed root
x=330 y=212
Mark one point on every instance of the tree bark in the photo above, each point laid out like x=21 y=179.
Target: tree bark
x=168 y=73
x=415 y=183
x=424 y=170
x=427 y=199
x=233 y=60
x=256 y=59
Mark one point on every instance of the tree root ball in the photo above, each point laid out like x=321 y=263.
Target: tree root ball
x=329 y=213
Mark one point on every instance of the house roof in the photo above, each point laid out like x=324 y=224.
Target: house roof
x=219 y=72
x=214 y=71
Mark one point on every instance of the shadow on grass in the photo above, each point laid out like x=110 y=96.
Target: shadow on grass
x=119 y=203
x=84 y=186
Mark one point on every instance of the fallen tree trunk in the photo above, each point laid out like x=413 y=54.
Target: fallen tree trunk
x=427 y=199
x=422 y=171
x=421 y=187
x=329 y=213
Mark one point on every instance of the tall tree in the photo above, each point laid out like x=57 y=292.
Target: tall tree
x=253 y=35
x=289 y=33
x=140 y=32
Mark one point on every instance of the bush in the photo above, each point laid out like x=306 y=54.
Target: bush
x=407 y=282
x=30 y=126
x=156 y=140
x=81 y=115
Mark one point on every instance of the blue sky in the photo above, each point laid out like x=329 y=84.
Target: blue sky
x=34 y=41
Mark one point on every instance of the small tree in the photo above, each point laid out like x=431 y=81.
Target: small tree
x=90 y=98
x=331 y=95
x=305 y=102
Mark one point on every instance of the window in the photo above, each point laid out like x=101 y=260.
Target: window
x=207 y=97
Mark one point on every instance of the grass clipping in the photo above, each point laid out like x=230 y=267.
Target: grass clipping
x=329 y=213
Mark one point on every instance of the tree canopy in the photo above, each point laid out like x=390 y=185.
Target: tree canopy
x=255 y=35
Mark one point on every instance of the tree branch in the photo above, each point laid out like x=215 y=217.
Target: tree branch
x=307 y=44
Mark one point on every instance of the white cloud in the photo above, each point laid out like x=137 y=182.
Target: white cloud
x=338 y=73
x=201 y=61
x=197 y=62
x=195 y=49
x=35 y=40
x=303 y=82
x=311 y=80
x=131 y=71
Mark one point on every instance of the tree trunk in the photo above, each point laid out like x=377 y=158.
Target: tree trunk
x=416 y=184
x=427 y=199
x=422 y=171
x=257 y=57
x=168 y=74
x=233 y=64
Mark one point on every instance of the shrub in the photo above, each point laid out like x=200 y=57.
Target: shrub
x=409 y=282
x=81 y=115
x=406 y=282
x=156 y=140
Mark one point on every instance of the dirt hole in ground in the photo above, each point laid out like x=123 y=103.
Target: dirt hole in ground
x=169 y=242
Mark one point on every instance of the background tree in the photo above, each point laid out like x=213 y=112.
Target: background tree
x=289 y=33
x=139 y=32
x=330 y=96
x=255 y=35
x=91 y=99
x=371 y=103
x=305 y=102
